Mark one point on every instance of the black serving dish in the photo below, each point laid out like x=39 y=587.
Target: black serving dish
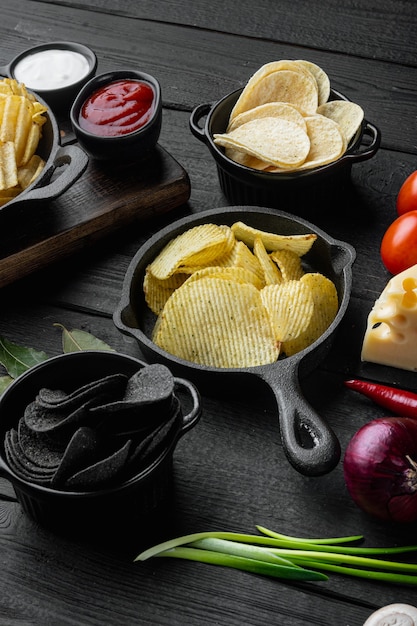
x=59 y=99
x=134 y=504
x=298 y=190
x=63 y=166
x=297 y=418
x=132 y=146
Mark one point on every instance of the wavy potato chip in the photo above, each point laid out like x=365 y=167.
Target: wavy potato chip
x=238 y=274
x=289 y=264
x=300 y=244
x=290 y=306
x=197 y=246
x=158 y=291
x=271 y=272
x=325 y=309
x=218 y=323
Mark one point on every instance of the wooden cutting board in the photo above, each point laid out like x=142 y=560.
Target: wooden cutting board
x=106 y=197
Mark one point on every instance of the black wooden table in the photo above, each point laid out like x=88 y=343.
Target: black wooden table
x=230 y=471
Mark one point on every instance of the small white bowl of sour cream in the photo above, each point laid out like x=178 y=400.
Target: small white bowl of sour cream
x=56 y=71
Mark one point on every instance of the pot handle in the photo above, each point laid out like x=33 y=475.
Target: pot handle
x=361 y=154
x=75 y=161
x=310 y=444
x=191 y=418
x=198 y=113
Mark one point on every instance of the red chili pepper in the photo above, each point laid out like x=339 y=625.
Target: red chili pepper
x=398 y=401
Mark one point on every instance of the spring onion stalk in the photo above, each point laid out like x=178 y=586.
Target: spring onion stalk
x=288 y=557
x=328 y=540
x=247 y=564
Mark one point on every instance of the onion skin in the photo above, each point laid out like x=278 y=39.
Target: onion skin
x=380 y=468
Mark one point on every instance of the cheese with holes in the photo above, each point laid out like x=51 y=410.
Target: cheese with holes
x=391 y=333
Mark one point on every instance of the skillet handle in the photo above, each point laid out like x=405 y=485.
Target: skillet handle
x=310 y=444
x=75 y=161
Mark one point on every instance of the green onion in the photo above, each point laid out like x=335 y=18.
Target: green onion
x=247 y=564
x=287 y=557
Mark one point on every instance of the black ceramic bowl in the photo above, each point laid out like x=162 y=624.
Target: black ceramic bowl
x=314 y=454
x=134 y=503
x=245 y=185
x=63 y=166
x=132 y=146
x=61 y=97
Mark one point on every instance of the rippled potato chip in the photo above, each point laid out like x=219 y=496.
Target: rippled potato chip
x=158 y=291
x=300 y=244
x=271 y=272
x=218 y=323
x=290 y=306
x=289 y=264
x=237 y=274
x=244 y=307
x=195 y=247
x=325 y=309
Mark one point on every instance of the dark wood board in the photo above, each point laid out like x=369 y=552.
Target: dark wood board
x=106 y=197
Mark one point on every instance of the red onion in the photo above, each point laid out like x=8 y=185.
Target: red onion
x=380 y=468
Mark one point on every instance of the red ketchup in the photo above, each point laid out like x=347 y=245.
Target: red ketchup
x=118 y=108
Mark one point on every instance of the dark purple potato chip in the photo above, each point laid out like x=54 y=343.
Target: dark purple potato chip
x=100 y=474
x=38 y=447
x=21 y=465
x=147 y=449
x=113 y=385
x=152 y=383
x=146 y=403
x=82 y=449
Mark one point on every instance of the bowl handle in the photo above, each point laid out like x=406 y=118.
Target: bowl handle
x=198 y=113
x=375 y=141
x=75 y=161
x=192 y=417
x=310 y=444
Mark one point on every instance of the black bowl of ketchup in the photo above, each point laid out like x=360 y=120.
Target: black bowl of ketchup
x=118 y=115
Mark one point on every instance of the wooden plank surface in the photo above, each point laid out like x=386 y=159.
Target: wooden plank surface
x=230 y=472
x=106 y=197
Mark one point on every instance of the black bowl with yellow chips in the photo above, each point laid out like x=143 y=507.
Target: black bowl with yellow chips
x=309 y=443
x=258 y=178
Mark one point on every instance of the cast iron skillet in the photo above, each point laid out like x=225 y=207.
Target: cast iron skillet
x=64 y=165
x=297 y=418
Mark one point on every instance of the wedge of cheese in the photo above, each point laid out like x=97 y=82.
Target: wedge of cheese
x=391 y=333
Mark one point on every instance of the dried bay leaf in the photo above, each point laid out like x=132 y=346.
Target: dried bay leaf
x=76 y=340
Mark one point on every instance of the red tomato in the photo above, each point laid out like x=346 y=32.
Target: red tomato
x=407 y=196
x=399 y=244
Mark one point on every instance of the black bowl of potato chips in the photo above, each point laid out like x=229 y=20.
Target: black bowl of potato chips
x=87 y=440
x=35 y=167
x=287 y=139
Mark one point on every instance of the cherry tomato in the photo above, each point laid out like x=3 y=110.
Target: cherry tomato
x=399 y=244
x=407 y=196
